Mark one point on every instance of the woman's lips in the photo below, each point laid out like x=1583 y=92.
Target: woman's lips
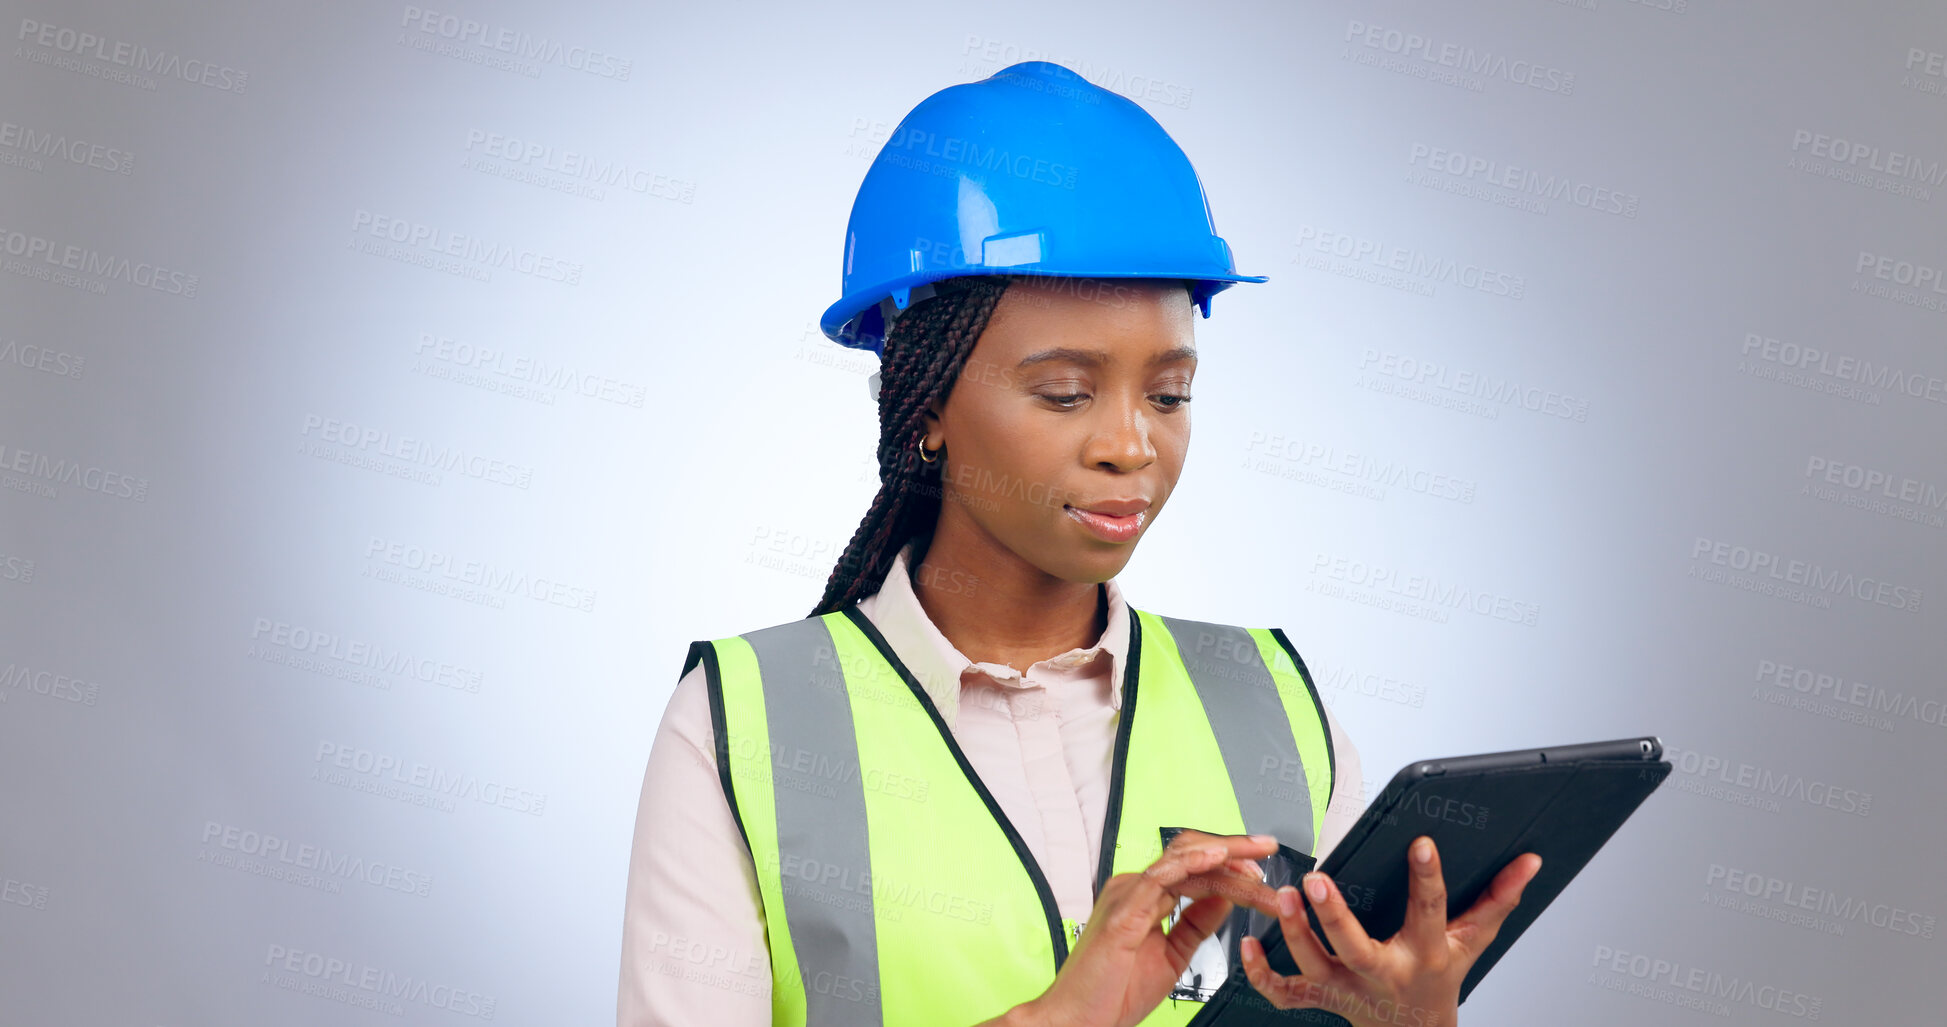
x=1107 y=528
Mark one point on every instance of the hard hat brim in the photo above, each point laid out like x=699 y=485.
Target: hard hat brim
x=840 y=321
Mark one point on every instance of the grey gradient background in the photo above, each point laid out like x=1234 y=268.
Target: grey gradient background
x=706 y=455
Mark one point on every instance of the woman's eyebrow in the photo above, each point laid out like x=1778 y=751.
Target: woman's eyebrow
x=1096 y=357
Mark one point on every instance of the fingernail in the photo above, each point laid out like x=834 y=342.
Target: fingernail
x=1265 y=839
x=1315 y=887
x=1423 y=850
x=1288 y=901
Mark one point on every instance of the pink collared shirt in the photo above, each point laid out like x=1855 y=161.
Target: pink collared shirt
x=693 y=950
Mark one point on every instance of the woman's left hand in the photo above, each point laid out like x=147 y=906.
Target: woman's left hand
x=1411 y=978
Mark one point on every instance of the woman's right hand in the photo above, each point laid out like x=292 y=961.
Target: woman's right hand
x=1125 y=964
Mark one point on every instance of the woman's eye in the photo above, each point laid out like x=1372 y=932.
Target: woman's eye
x=1170 y=401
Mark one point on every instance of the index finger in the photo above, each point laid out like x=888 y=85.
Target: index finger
x=1260 y=845
x=1350 y=943
x=1212 y=865
x=1426 y=900
x=1477 y=927
x=1194 y=852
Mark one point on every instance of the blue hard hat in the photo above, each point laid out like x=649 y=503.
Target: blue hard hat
x=1031 y=171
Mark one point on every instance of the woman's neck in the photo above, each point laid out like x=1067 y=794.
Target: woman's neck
x=997 y=608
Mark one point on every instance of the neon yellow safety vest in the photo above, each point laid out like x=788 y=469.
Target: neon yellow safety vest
x=896 y=893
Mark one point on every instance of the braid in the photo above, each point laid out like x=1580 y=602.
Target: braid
x=923 y=354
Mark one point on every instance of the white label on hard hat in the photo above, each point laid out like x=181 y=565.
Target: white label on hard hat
x=1011 y=250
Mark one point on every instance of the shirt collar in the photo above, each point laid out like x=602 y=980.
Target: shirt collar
x=938 y=666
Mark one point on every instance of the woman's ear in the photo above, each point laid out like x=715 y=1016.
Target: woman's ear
x=935 y=414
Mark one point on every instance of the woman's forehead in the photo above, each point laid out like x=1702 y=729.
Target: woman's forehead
x=1123 y=318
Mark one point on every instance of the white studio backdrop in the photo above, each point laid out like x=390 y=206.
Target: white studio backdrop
x=390 y=392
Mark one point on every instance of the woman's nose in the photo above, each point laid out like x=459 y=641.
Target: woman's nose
x=1123 y=438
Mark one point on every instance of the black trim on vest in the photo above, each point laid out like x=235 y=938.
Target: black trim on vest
x=1041 y=888
x=1112 y=813
x=1331 y=758
x=707 y=652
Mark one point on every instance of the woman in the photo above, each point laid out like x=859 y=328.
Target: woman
x=932 y=782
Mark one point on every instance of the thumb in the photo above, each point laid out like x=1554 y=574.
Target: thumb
x=1198 y=921
x=1137 y=910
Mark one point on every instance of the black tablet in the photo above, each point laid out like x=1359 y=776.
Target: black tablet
x=1561 y=803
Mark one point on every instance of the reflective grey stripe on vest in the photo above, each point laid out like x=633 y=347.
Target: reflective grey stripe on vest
x=821 y=828
x=1241 y=700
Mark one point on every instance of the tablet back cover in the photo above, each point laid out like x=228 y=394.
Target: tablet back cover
x=1575 y=809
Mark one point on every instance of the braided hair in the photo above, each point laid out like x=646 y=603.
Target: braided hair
x=924 y=352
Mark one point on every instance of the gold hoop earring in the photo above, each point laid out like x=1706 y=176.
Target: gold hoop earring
x=920 y=444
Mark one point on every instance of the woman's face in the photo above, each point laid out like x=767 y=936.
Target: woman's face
x=1070 y=401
